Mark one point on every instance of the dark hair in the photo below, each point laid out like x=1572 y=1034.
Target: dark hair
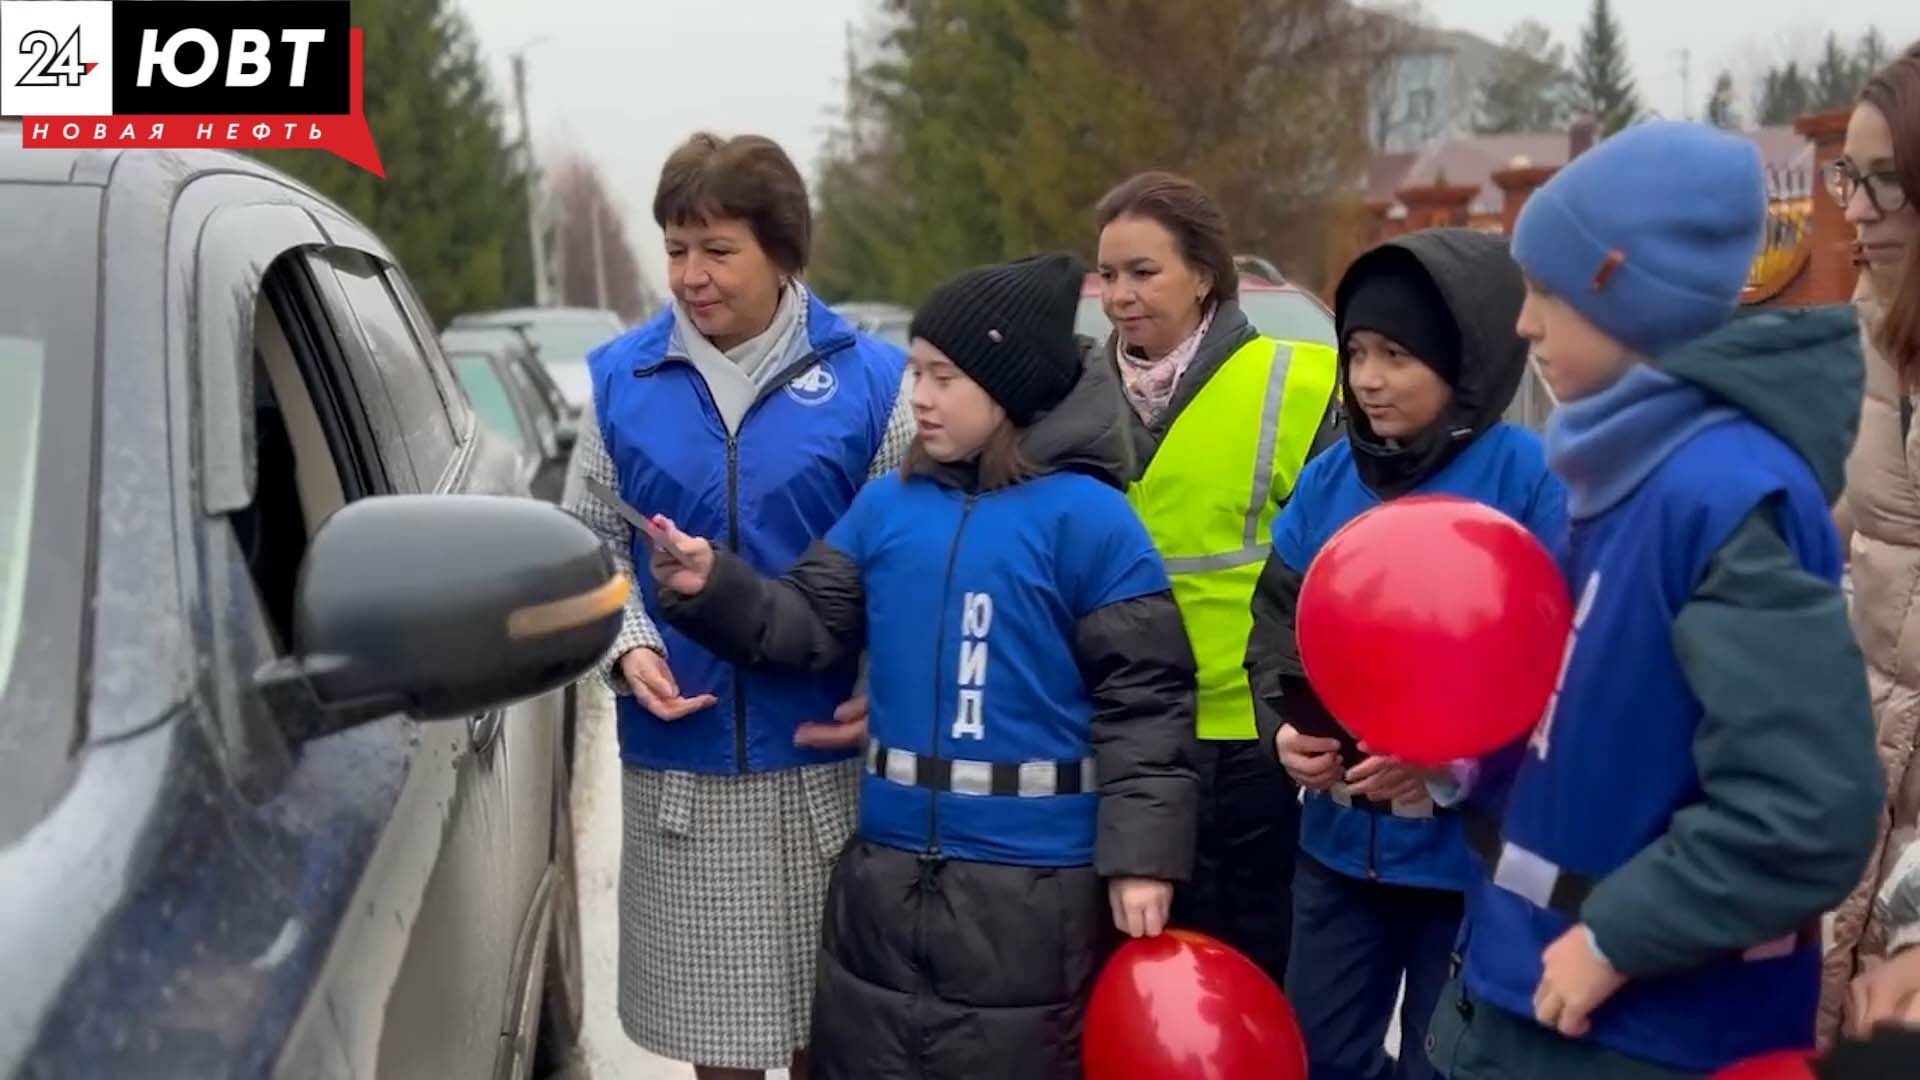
x=747 y=178
x=1002 y=465
x=1895 y=91
x=1184 y=209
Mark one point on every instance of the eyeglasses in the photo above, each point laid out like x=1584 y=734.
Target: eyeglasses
x=1843 y=178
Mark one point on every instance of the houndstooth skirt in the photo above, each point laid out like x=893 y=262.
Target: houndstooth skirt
x=722 y=880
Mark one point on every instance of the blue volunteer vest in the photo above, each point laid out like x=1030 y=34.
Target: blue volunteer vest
x=972 y=604
x=801 y=454
x=1611 y=762
x=1506 y=469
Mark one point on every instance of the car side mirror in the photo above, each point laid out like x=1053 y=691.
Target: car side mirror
x=442 y=606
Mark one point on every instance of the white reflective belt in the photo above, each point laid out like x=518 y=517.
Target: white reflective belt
x=1034 y=779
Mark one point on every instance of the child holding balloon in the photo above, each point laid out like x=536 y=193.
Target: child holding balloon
x=1029 y=782
x=1703 y=785
x=1429 y=363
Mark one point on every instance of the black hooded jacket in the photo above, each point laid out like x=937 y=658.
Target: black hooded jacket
x=1484 y=290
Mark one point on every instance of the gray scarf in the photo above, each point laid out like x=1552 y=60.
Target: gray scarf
x=737 y=376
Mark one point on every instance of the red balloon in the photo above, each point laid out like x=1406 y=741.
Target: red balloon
x=1433 y=628
x=1182 y=1006
x=1780 y=1065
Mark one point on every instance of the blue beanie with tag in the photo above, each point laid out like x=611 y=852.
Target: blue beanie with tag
x=1649 y=235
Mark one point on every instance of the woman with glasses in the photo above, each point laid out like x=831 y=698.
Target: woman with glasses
x=1869 y=975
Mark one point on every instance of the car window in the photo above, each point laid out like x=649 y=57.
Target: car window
x=430 y=345
x=1288 y=316
x=1283 y=314
x=490 y=397
x=426 y=430
x=22 y=361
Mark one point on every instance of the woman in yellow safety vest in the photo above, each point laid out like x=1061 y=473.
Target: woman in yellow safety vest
x=1221 y=419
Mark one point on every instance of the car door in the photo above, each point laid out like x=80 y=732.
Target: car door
x=345 y=832
x=499 y=833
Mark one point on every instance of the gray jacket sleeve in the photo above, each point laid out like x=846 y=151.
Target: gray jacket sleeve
x=590 y=459
x=1792 y=787
x=1135 y=660
x=901 y=428
x=814 y=618
x=1899 y=901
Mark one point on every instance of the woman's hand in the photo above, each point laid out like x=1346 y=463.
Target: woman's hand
x=1887 y=993
x=680 y=562
x=654 y=687
x=1313 y=762
x=1140 y=905
x=849 y=727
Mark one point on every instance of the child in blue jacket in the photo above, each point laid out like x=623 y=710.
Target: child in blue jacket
x=1703 y=785
x=1029 y=781
x=1429 y=362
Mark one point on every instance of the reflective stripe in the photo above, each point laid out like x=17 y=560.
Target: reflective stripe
x=962 y=776
x=1525 y=874
x=1200 y=564
x=1281 y=360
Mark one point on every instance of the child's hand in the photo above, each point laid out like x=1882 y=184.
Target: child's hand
x=1313 y=762
x=1140 y=904
x=1574 y=981
x=688 y=573
x=1385 y=778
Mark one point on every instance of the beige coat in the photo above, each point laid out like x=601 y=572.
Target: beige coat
x=1883 y=499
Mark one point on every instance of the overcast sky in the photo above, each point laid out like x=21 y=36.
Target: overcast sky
x=625 y=81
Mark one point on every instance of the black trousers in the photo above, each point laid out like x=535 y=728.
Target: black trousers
x=1242 y=887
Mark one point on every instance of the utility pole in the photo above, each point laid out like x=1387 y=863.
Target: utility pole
x=1686 y=83
x=599 y=257
x=536 y=233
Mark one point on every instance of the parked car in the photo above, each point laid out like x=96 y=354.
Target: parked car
x=1277 y=309
x=281 y=643
x=1280 y=309
x=888 y=322
x=513 y=395
x=562 y=337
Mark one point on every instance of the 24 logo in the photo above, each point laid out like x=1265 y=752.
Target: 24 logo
x=55 y=62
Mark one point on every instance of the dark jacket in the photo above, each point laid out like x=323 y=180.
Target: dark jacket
x=1727 y=794
x=1482 y=287
x=963 y=931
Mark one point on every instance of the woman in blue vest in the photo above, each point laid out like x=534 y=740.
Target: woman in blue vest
x=1429 y=361
x=749 y=411
x=1029 y=784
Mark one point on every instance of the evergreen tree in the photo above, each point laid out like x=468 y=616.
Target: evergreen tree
x=1834 y=77
x=1605 y=86
x=1720 y=108
x=453 y=205
x=1785 y=96
x=979 y=130
x=1869 y=57
x=1528 y=87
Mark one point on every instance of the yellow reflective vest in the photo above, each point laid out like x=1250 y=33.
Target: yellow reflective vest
x=1221 y=472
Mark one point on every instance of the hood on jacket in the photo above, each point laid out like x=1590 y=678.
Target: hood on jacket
x=1797 y=373
x=1085 y=433
x=1483 y=290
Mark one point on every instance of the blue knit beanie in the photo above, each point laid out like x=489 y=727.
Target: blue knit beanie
x=1650 y=234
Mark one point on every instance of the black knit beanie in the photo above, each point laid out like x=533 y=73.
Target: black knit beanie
x=1010 y=328
x=1397 y=298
